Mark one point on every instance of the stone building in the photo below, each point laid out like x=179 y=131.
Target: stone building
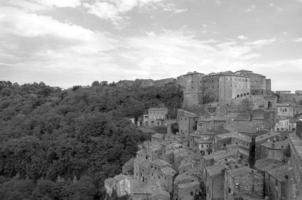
x=192 y=88
x=214 y=123
x=257 y=82
x=162 y=173
x=225 y=141
x=295 y=142
x=285 y=110
x=187 y=122
x=268 y=137
x=276 y=178
x=285 y=125
x=215 y=182
x=157 y=116
x=274 y=150
x=202 y=142
x=244 y=183
x=225 y=87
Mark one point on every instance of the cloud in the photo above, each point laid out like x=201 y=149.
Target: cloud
x=251 y=8
x=285 y=74
x=242 y=37
x=17 y=22
x=262 y=42
x=297 y=39
x=59 y=3
x=115 y=11
x=38 y=5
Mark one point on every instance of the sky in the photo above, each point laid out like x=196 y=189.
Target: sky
x=75 y=42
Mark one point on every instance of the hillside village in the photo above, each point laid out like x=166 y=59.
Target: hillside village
x=233 y=139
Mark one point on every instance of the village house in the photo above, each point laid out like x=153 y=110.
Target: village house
x=157 y=116
x=276 y=178
x=285 y=125
x=267 y=137
x=295 y=142
x=215 y=182
x=187 y=122
x=187 y=191
x=222 y=141
x=213 y=123
x=285 y=110
x=274 y=150
x=202 y=143
x=244 y=183
x=121 y=184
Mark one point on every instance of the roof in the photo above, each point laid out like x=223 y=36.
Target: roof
x=215 y=170
x=297 y=144
x=240 y=171
x=280 y=172
x=160 y=162
x=168 y=171
x=212 y=118
x=243 y=117
x=158 y=135
x=188 y=185
x=160 y=194
x=121 y=177
x=158 y=109
x=235 y=135
x=143 y=188
x=218 y=155
x=259 y=114
x=187 y=113
x=267 y=136
x=284 y=105
x=276 y=145
x=267 y=164
x=184 y=178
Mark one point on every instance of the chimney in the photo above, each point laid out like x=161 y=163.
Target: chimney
x=299 y=129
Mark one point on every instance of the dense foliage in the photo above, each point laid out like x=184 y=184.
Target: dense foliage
x=61 y=144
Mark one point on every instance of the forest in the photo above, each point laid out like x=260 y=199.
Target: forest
x=61 y=144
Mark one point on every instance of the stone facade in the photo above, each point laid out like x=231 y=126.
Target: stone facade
x=187 y=122
x=243 y=183
x=285 y=110
x=225 y=87
x=215 y=182
x=192 y=87
x=257 y=82
x=157 y=116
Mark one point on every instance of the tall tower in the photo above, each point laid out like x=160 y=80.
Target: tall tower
x=192 y=89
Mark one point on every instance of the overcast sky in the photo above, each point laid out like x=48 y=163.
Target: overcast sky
x=74 y=42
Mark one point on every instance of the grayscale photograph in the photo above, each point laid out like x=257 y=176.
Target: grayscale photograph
x=150 y=99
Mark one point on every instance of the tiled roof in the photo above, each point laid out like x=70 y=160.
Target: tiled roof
x=267 y=164
x=184 y=178
x=215 y=170
x=168 y=171
x=161 y=163
x=243 y=117
x=188 y=185
x=276 y=145
x=267 y=136
x=280 y=172
x=235 y=135
x=240 y=171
